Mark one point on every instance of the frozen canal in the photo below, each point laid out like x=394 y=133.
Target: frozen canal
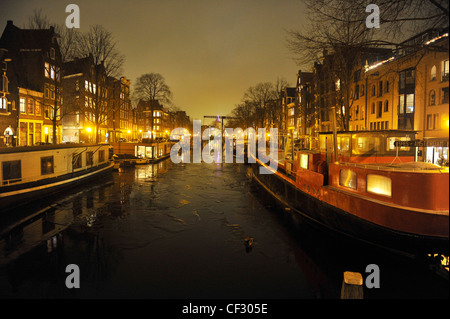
x=178 y=231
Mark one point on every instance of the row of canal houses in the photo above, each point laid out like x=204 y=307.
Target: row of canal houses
x=43 y=97
x=406 y=88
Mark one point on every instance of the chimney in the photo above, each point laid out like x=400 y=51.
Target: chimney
x=9 y=22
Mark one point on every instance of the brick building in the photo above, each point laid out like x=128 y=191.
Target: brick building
x=32 y=75
x=85 y=101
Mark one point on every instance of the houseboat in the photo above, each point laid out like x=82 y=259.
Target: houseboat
x=374 y=191
x=34 y=172
x=130 y=153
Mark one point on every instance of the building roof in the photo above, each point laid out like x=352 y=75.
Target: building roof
x=14 y=38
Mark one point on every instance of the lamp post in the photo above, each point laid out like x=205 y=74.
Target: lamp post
x=89 y=130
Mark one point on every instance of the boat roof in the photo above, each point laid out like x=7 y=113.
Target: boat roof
x=372 y=132
x=46 y=147
x=407 y=166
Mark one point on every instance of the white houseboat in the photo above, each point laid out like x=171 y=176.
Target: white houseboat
x=34 y=172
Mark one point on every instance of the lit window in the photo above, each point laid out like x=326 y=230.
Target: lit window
x=304 y=161
x=30 y=106
x=37 y=108
x=46 y=165
x=433 y=73
x=410 y=103
x=445 y=70
x=3 y=104
x=379 y=184
x=47 y=69
x=347 y=178
x=52 y=72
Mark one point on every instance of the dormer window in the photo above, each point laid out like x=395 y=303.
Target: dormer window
x=52 y=53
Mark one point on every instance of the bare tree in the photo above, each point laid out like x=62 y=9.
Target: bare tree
x=339 y=27
x=99 y=44
x=242 y=116
x=151 y=87
x=260 y=103
x=258 y=96
x=38 y=20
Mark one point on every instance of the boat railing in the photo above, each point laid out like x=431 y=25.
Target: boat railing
x=7 y=182
x=396 y=168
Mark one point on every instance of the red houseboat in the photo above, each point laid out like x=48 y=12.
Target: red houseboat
x=374 y=192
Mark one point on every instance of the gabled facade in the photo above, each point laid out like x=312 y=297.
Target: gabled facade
x=120 y=116
x=33 y=74
x=152 y=119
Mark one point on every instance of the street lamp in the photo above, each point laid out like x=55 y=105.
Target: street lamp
x=89 y=130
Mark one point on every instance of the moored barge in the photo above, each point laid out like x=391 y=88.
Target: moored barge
x=34 y=172
x=375 y=192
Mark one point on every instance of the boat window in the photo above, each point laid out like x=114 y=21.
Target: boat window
x=148 y=152
x=347 y=178
x=140 y=151
x=304 y=161
x=366 y=144
x=101 y=156
x=89 y=158
x=343 y=143
x=323 y=142
x=379 y=184
x=12 y=172
x=46 y=165
x=76 y=161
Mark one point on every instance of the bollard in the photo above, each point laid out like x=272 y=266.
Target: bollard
x=352 y=286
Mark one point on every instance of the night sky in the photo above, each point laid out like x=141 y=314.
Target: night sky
x=209 y=51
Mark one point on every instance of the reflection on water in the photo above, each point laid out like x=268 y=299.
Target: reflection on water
x=184 y=231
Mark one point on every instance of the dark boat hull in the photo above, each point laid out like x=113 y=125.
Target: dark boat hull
x=345 y=223
x=19 y=195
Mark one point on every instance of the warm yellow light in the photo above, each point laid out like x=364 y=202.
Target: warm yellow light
x=129 y=131
x=88 y=129
x=140 y=131
x=379 y=184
